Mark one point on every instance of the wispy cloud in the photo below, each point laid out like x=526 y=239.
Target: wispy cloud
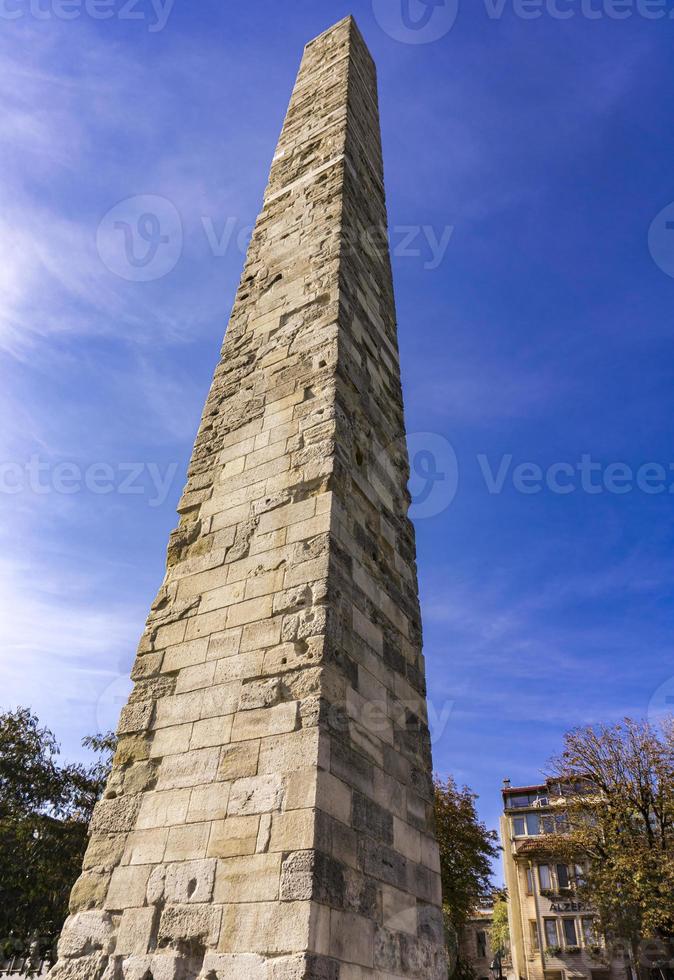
x=62 y=653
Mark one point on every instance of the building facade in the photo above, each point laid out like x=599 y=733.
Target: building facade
x=475 y=944
x=553 y=934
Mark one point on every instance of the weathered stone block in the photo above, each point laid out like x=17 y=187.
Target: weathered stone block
x=127 y=888
x=89 y=891
x=233 y=836
x=86 y=933
x=371 y=819
x=248 y=879
x=269 y=927
x=188 y=843
x=115 y=816
x=352 y=938
x=235 y=967
x=264 y=722
x=208 y=803
x=135 y=932
x=190 y=882
x=239 y=760
x=136 y=717
x=312 y=875
x=186 y=923
x=257 y=794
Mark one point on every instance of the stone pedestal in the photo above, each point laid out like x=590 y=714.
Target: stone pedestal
x=269 y=816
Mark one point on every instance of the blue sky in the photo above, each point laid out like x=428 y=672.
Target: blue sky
x=537 y=151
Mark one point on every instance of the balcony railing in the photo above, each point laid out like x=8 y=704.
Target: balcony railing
x=25 y=966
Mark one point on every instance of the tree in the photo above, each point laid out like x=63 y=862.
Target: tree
x=619 y=787
x=500 y=931
x=467 y=849
x=45 y=809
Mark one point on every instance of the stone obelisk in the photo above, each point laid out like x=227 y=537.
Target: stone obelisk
x=269 y=815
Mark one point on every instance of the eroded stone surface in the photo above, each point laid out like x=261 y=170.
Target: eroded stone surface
x=269 y=816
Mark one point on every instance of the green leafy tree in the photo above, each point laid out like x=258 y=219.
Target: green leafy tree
x=619 y=784
x=467 y=849
x=500 y=933
x=45 y=808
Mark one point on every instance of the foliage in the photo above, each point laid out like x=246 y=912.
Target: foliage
x=619 y=784
x=45 y=808
x=466 y=851
x=500 y=934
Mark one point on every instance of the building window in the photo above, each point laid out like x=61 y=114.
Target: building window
x=522 y=800
x=551 y=934
x=552 y=974
x=544 y=877
x=530 y=881
x=533 y=926
x=570 y=933
x=519 y=826
x=589 y=932
x=482 y=944
x=563 y=876
x=533 y=824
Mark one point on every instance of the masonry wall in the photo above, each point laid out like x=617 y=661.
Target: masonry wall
x=269 y=816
